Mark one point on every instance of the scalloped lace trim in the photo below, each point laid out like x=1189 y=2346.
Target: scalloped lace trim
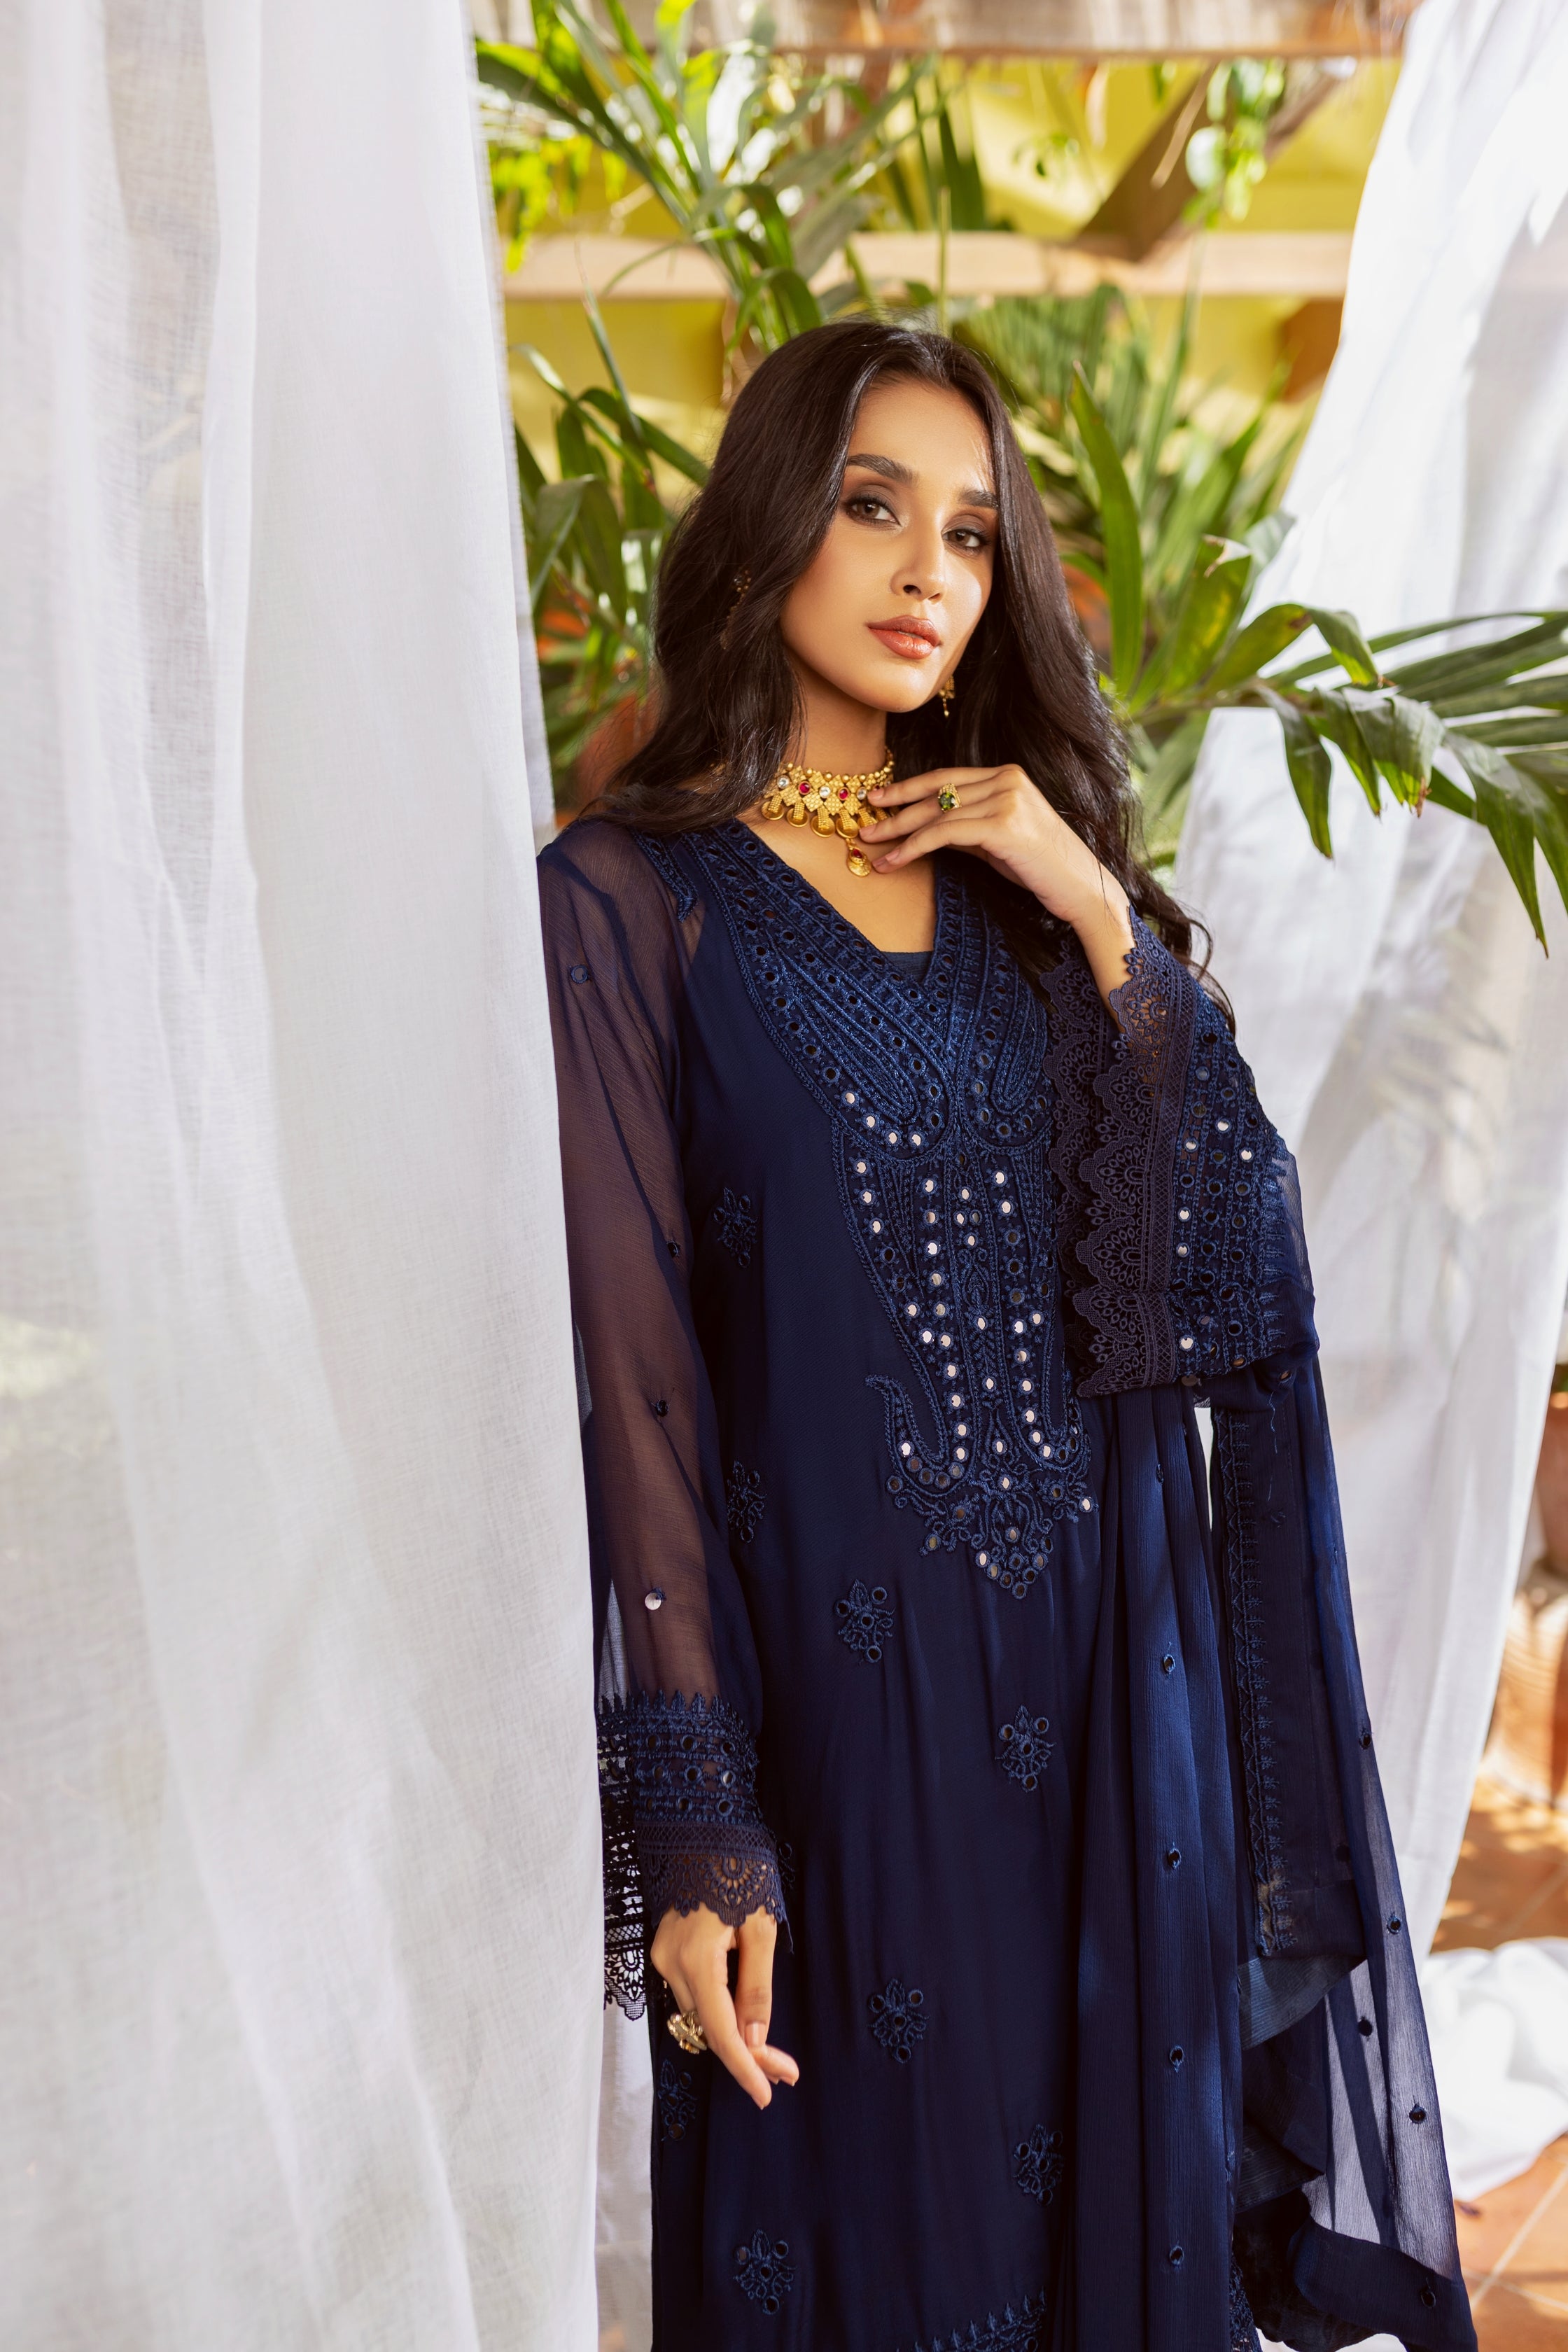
x=678 y=1791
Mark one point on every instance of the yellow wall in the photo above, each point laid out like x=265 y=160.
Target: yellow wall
x=671 y=355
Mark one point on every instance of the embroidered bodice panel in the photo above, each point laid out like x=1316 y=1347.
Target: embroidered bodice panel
x=939 y=1108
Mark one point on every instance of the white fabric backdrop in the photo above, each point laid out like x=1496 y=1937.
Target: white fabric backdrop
x=1406 y=1032
x=300 y=1982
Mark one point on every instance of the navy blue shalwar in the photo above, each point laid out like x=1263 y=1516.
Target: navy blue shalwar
x=926 y=1629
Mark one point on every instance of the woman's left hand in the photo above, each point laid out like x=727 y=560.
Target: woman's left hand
x=1005 y=818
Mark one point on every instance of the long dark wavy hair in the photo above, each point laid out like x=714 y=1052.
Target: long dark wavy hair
x=727 y=707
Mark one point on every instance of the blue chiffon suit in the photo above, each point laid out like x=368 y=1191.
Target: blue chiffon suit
x=924 y=1627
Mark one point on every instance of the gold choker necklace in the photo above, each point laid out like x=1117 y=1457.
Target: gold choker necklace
x=829 y=802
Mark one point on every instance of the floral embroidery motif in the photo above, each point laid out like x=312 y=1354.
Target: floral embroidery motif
x=687 y=1770
x=745 y=1500
x=763 y=2272
x=1038 y=2164
x=735 y=1224
x=1023 y=2330
x=865 y=1620
x=1026 y=1750
x=677 y=2102
x=943 y=1134
x=898 y=2018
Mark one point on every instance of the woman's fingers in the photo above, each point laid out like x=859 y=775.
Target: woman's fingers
x=757 y=1943
x=716 y=2012
x=691 y=1953
x=754 y=1978
x=667 y=1956
x=924 y=786
x=679 y=1987
x=965 y=832
x=975 y=798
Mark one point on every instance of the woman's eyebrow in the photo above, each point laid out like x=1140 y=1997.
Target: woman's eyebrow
x=890 y=468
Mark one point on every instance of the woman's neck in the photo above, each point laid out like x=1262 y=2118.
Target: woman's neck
x=840 y=736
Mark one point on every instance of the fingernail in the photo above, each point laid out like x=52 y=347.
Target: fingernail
x=755 y=2035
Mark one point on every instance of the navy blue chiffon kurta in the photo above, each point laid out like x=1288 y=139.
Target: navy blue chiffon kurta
x=895 y=1296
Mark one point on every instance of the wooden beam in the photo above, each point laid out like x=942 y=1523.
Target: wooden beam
x=1077 y=28
x=1305 y=266
x=1150 y=200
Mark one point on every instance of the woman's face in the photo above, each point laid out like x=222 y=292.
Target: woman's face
x=893 y=594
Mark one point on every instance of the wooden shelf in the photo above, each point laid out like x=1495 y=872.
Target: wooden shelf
x=1301 y=265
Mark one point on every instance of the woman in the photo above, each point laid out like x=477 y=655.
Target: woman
x=916 y=1196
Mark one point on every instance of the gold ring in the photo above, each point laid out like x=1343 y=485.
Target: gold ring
x=687 y=2029
x=948 y=797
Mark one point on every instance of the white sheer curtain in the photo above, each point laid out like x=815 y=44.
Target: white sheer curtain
x=1406 y=1031
x=299 y=1989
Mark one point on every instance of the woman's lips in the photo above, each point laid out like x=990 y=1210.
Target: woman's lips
x=913 y=644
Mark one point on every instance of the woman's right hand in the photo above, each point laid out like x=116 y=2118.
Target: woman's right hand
x=691 y=1953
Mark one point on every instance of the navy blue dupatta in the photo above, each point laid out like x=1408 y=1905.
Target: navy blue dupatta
x=1186 y=1278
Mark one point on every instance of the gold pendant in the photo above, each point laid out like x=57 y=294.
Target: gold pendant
x=806 y=796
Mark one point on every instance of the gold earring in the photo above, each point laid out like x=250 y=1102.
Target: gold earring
x=742 y=584
x=946 y=691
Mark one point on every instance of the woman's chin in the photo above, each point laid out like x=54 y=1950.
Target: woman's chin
x=895 y=694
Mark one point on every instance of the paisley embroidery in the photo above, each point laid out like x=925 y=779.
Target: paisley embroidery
x=942 y=1121
x=745 y=1500
x=898 y=2018
x=1026 y=1750
x=1023 y=2330
x=1038 y=2164
x=734 y=1223
x=763 y=2272
x=677 y=2102
x=865 y=1620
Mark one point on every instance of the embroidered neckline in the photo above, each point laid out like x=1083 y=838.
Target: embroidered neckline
x=941 y=1115
x=816 y=903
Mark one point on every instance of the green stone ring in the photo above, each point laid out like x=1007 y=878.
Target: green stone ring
x=947 y=798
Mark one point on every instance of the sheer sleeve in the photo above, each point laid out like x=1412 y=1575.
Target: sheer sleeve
x=677 y=1753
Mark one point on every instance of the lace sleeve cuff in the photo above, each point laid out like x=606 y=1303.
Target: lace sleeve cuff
x=678 y=1783
x=1181 y=1220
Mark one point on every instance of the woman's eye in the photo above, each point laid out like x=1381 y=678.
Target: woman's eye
x=866 y=503
x=974 y=541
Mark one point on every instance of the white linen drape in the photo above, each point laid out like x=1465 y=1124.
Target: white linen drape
x=1406 y=1031
x=298 y=2001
